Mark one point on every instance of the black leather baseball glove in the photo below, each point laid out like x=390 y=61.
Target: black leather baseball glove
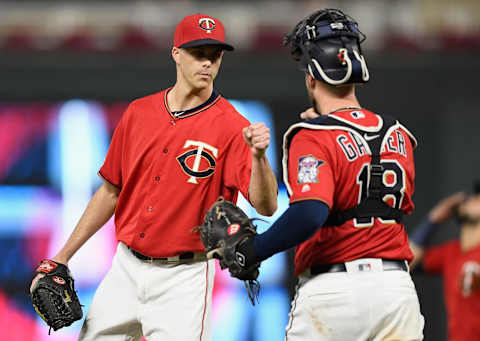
x=54 y=297
x=226 y=227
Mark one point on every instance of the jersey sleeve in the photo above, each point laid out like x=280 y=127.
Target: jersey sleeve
x=435 y=258
x=111 y=170
x=238 y=162
x=310 y=168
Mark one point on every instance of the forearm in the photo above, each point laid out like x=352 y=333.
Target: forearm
x=99 y=210
x=423 y=232
x=298 y=223
x=419 y=239
x=263 y=187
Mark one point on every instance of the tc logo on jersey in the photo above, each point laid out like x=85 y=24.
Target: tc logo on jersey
x=308 y=169
x=203 y=164
x=207 y=24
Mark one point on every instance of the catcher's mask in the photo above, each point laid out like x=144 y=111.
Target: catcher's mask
x=327 y=45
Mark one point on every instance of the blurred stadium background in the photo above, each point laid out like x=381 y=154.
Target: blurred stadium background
x=69 y=68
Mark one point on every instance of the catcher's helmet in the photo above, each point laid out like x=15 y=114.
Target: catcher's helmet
x=327 y=45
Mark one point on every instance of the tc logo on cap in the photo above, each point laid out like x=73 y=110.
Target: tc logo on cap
x=207 y=24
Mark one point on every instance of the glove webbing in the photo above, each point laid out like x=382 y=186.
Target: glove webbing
x=56 y=302
x=252 y=286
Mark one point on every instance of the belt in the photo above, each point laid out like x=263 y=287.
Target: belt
x=181 y=258
x=388 y=265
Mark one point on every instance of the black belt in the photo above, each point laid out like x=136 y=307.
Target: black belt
x=388 y=265
x=183 y=257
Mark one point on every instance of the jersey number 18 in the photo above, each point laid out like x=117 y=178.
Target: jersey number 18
x=393 y=187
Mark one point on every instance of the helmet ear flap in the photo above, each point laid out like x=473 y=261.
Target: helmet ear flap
x=323 y=75
x=360 y=72
x=336 y=64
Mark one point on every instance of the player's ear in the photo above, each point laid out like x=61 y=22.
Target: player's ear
x=309 y=81
x=176 y=54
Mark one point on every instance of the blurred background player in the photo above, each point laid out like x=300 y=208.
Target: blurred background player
x=350 y=176
x=172 y=154
x=457 y=261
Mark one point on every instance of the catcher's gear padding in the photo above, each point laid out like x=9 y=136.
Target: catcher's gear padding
x=225 y=228
x=54 y=297
x=327 y=45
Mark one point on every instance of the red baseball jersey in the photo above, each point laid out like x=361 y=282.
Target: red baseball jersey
x=331 y=164
x=462 y=302
x=171 y=167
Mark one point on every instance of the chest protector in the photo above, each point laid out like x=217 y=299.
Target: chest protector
x=373 y=205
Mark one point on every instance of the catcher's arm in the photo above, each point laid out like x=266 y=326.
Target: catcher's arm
x=228 y=238
x=263 y=186
x=298 y=223
x=99 y=210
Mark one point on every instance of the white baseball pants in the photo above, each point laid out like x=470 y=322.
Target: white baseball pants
x=364 y=303
x=159 y=301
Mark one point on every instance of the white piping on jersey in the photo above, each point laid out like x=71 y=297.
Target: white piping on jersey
x=415 y=142
x=320 y=127
x=390 y=131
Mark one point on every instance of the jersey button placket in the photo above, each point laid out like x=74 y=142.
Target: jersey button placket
x=149 y=209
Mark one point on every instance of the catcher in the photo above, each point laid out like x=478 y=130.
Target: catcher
x=54 y=297
x=350 y=176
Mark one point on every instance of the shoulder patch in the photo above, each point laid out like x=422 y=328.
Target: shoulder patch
x=308 y=169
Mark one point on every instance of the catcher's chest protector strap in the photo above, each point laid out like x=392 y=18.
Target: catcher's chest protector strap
x=373 y=205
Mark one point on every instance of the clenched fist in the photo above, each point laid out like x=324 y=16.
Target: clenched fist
x=257 y=137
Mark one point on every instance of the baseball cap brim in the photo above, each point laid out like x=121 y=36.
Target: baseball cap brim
x=203 y=42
